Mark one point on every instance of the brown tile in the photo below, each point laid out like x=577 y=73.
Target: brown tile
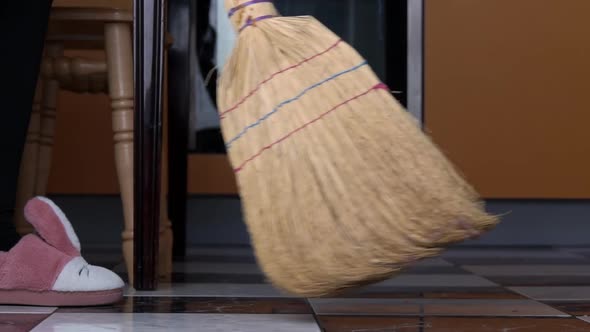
x=200 y=305
x=369 y=324
x=490 y=308
x=394 y=292
x=572 y=308
x=492 y=293
x=251 y=306
x=450 y=324
x=434 y=307
x=367 y=307
x=20 y=322
x=383 y=292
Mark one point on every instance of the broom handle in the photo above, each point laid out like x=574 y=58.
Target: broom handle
x=245 y=13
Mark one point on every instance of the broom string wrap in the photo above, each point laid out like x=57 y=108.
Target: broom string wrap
x=251 y=93
x=252 y=21
x=243 y=14
x=378 y=86
x=291 y=100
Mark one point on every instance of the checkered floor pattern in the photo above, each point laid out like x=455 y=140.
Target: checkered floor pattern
x=466 y=289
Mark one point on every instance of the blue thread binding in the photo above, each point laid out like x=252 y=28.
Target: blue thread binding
x=288 y=101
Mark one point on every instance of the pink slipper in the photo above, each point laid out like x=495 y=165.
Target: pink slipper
x=47 y=269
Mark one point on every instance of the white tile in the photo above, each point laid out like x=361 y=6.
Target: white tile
x=211 y=290
x=558 y=293
x=147 y=322
x=434 y=307
x=529 y=270
x=437 y=280
x=26 y=310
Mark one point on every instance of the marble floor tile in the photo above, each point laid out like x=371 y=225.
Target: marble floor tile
x=433 y=307
x=434 y=261
x=367 y=307
x=437 y=280
x=20 y=322
x=479 y=324
x=211 y=290
x=498 y=293
x=147 y=322
x=573 y=308
x=4 y=309
x=369 y=324
x=520 y=261
x=540 y=280
x=496 y=308
x=223 y=305
x=555 y=293
x=514 y=257
x=529 y=270
x=393 y=292
x=369 y=292
x=434 y=269
x=506 y=253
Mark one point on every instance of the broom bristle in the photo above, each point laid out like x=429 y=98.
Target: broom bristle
x=339 y=186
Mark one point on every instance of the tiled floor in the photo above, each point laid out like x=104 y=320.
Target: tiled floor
x=222 y=289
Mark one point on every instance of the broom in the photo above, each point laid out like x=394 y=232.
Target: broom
x=340 y=187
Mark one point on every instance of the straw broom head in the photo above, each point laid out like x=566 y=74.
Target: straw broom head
x=339 y=186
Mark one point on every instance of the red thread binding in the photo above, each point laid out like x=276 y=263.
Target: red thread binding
x=243 y=100
x=268 y=147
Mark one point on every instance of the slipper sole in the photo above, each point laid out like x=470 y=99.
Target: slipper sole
x=60 y=299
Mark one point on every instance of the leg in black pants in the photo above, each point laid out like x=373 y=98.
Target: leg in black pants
x=23 y=24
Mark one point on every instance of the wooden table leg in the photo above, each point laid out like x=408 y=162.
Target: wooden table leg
x=148 y=31
x=181 y=23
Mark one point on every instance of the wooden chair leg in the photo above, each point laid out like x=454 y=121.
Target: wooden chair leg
x=120 y=72
x=48 y=116
x=28 y=169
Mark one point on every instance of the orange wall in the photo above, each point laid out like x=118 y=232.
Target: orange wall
x=507 y=93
